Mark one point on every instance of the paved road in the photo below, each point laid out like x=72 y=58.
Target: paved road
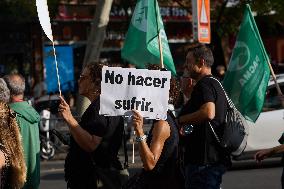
x=245 y=175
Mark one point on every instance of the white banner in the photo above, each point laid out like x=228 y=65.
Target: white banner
x=125 y=89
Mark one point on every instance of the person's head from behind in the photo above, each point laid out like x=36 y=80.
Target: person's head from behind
x=16 y=84
x=90 y=80
x=4 y=91
x=11 y=140
x=199 y=61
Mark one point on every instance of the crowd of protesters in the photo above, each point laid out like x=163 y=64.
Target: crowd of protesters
x=172 y=156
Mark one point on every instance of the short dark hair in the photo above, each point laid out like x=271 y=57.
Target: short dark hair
x=203 y=52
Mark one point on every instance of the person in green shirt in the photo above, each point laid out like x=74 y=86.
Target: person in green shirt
x=28 y=120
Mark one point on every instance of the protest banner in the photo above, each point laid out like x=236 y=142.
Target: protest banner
x=125 y=89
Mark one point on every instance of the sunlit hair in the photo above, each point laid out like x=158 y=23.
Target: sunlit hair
x=174 y=85
x=4 y=91
x=16 y=84
x=10 y=138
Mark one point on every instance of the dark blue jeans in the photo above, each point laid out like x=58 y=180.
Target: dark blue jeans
x=204 y=176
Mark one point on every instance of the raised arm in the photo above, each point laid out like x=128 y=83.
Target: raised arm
x=161 y=131
x=85 y=140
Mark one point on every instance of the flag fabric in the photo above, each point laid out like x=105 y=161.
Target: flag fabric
x=141 y=45
x=248 y=73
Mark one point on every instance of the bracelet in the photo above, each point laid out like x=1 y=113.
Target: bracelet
x=140 y=139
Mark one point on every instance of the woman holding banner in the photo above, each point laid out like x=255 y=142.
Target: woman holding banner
x=158 y=151
x=95 y=140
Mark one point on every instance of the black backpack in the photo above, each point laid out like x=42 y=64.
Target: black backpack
x=234 y=138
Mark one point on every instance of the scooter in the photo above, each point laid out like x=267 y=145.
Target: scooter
x=47 y=148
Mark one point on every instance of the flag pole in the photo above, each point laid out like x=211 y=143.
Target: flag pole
x=56 y=66
x=274 y=79
x=159 y=38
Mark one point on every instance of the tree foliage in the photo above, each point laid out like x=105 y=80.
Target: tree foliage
x=226 y=15
x=21 y=11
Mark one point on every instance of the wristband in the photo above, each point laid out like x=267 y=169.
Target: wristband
x=140 y=139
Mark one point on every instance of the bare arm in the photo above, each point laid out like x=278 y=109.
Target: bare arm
x=262 y=154
x=205 y=113
x=84 y=139
x=161 y=131
x=2 y=165
x=2 y=160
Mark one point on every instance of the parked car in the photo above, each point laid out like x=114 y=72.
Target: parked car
x=268 y=128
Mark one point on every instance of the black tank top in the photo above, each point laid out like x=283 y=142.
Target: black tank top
x=167 y=161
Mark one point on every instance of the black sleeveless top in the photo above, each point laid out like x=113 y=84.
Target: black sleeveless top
x=167 y=161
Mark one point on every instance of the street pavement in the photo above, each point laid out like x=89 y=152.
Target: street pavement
x=244 y=174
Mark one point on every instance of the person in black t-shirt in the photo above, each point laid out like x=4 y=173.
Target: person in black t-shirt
x=95 y=139
x=205 y=163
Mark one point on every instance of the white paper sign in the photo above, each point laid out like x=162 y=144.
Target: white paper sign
x=124 y=89
x=43 y=15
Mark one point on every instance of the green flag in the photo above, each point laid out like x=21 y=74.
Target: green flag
x=248 y=72
x=141 y=44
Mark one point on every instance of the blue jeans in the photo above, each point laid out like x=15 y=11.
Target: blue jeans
x=204 y=176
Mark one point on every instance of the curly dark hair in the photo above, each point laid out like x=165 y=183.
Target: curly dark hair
x=95 y=69
x=174 y=85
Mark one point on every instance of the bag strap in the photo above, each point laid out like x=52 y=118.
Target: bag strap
x=215 y=134
x=230 y=102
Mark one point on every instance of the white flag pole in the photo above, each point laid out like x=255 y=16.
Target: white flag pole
x=56 y=66
x=133 y=152
x=44 y=19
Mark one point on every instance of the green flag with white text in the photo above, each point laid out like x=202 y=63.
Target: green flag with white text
x=141 y=45
x=248 y=72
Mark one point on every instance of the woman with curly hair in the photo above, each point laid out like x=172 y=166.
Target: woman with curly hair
x=12 y=164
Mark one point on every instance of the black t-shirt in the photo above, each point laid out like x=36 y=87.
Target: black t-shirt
x=201 y=145
x=78 y=162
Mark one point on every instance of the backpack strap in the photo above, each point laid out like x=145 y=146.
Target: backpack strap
x=230 y=102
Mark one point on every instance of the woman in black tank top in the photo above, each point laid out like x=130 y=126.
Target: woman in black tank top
x=159 y=152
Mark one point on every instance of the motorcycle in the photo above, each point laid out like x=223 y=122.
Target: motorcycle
x=50 y=138
x=47 y=148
